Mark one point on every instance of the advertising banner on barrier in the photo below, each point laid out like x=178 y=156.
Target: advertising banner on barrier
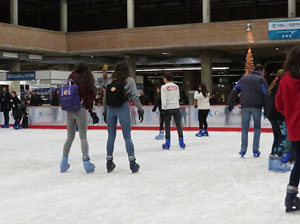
x=218 y=117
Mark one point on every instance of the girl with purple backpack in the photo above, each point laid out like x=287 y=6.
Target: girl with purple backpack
x=84 y=84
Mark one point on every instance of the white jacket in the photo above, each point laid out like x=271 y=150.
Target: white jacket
x=202 y=102
x=170 y=96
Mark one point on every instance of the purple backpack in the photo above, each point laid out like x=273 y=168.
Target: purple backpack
x=69 y=97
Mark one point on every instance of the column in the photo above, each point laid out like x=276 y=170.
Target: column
x=206 y=70
x=131 y=62
x=14 y=12
x=292 y=8
x=206 y=11
x=189 y=83
x=64 y=16
x=14 y=66
x=130 y=13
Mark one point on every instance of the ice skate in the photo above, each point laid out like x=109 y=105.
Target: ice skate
x=16 y=127
x=200 y=133
x=205 y=133
x=286 y=157
x=292 y=202
x=271 y=161
x=256 y=153
x=181 y=143
x=242 y=154
x=134 y=167
x=64 y=165
x=110 y=166
x=167 y=144
x=88 y=166
x=160 y=136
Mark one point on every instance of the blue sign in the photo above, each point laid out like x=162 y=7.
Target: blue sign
x=284 y=29
x=19 y=76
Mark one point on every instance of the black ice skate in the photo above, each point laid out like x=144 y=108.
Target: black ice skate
x=110 y=165
x=134 y=166
x=292 y=202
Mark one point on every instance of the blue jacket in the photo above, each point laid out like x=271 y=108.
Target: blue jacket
x=253 y=92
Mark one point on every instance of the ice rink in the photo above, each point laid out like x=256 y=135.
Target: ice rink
x=206 y=183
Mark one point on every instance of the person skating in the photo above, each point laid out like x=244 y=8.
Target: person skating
x=5 y=106
x=253 y=91
x=202 y=97
x=83 y=78
x=279 y=129
x=157 y=104
x=287 y=102
x=21 y=115
x=15 y=102
x=170 y=97
x=121 y=88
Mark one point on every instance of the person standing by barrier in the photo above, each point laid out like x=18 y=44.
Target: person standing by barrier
x=202 y=97
x=253 y=90
x=287 y=102
x=35 y=99
x=279 y=129
x=83 y=78
x=5 y=106
x=170 y=97
x=157 y=104
x=15 y=102
x=119 y=89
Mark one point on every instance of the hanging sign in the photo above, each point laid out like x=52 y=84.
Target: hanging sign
x=284 y=29
x=19 y=76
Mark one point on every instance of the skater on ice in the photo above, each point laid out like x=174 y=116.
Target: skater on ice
x=288 y=103
x=121 y=88
x=279 y=129
x=77 y=98
x=170 y=97
x=253 y=89
x=202 y=97
x=157 y=104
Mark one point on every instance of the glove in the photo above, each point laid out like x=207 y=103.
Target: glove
x=95 y=118
x=153 y=109
x=104 y=117
x=229 y=108
x=286 y=157
x=141 y=115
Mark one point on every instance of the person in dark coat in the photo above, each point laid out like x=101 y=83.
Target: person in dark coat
x=5 y=106
x=15 y=102
x=253 y=90
x=55 y=100
x=35 y=99
x=144 y=99
x=157 y=104
x=22 y=115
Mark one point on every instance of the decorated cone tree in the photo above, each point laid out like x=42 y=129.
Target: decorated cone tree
x=249 y=67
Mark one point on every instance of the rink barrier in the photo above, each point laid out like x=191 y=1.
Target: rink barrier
x=219 y=119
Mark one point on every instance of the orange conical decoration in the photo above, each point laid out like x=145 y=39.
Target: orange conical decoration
x=249 y=67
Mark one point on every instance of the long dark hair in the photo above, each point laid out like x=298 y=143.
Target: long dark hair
x=121 y=72
x=85 y=75
x=292 y=63
x=204 y=90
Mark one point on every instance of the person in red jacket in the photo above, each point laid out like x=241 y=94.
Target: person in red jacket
x=287 y=102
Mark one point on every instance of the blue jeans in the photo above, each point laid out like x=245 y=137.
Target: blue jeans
x=246 y=116
x=123 y=114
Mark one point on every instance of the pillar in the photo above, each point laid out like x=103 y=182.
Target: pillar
x=292 y=8
x=14 y=12
x=206 y=11
x=131 y=62
x=206 y=70
x=14 y=66
x=64 y=16
x=189 y=83
x=130 y=13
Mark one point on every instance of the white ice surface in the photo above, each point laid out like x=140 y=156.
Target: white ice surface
x=206 y=183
